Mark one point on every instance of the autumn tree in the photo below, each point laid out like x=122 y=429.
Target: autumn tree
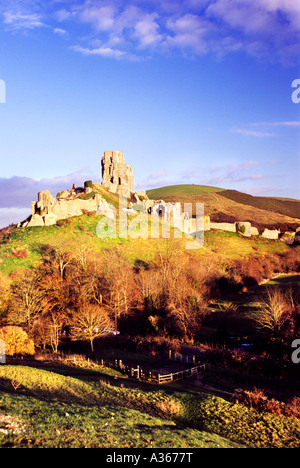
x=57 y=302
x=57 y=258
x=26 y=299
x=90 y=322
x=120 y=292
x=174 y=292
x=90 y=283
x=4 y=295
x=16 y=341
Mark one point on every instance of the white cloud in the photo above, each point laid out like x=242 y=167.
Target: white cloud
x=269 y=29
x=102 y=51
x=147 y=30
x=265 y=29
x=189 y=31
x=102 y=17
x=22 y=21
x=60 y=32
x=254 y=133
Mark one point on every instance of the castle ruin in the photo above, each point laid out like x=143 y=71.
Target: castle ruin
x=117 y=176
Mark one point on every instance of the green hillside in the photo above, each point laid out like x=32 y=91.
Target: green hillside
x=52 y=410
x=181 y=190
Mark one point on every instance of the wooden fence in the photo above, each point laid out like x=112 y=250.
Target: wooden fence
x=140 y=373
x=145 y=374
x=178 y=357
x=165 y=378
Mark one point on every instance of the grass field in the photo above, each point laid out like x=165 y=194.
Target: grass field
x=45 y=409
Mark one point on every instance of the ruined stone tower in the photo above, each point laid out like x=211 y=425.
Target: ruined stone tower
x=117 y=176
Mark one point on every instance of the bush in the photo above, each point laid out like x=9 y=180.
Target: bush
x=16 y=341
x=169 y=408
x=88 y=183
x=20 y=253
x=256 y=399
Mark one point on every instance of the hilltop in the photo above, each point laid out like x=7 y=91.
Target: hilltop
x=22 y=247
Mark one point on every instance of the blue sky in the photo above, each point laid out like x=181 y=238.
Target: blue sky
x=192 y=91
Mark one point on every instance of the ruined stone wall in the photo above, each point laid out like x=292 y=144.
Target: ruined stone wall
x=47 y=211
x=117 y=176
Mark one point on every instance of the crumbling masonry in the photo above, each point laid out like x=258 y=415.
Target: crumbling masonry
x=117 y=176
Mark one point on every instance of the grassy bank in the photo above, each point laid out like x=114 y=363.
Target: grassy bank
x=44 y=409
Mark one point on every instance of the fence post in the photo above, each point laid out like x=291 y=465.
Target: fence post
x=2 y=352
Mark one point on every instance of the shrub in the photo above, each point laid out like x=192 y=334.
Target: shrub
x=20 y=253
x=16 y=341
x=169 y=408
x=88 y=183
x=256 y=399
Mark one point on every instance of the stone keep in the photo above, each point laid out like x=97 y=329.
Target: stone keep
x=117 y=176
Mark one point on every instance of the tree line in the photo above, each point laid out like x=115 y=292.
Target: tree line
x=86 y=295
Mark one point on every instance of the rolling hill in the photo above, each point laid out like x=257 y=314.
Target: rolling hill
x=230 y=205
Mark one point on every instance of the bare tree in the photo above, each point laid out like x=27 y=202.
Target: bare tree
x=57 y=256
x=89 y=323
x=26 y=299
x=275 y=315
x=119 y=287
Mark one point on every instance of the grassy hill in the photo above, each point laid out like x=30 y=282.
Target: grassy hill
x=181 y=190
x=23 y=248
x=230 y=205
x=48 y=409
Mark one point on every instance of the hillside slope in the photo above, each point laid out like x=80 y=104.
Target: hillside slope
x=287 y=207
x=230 y=205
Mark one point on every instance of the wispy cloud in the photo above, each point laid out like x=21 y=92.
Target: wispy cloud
x=292 y=124
x=232 y=173
x=224 y=175
x=250 y=129
x=60 y=31
x=254 y=133
x=22 y=21
x=101 y=51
